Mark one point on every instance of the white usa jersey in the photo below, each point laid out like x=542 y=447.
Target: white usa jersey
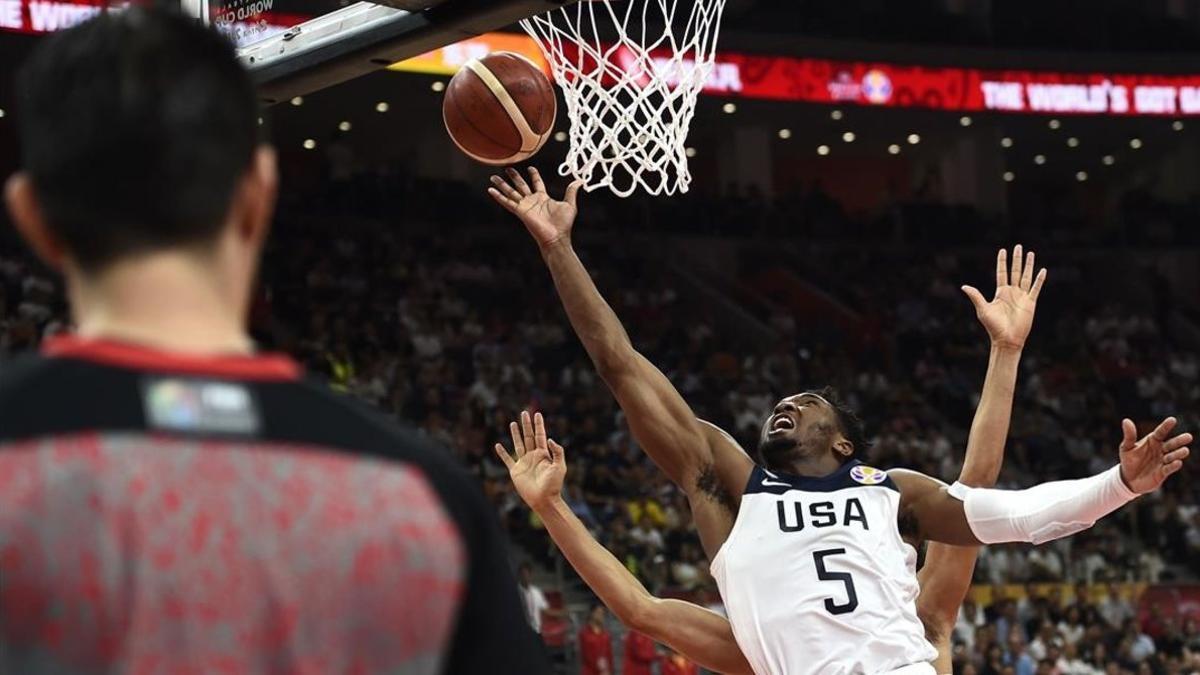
x=816 y=578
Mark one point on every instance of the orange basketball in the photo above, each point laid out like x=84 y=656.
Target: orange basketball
x=500 y=109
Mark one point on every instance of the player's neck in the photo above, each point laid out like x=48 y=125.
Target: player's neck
x=812 y=467
x=168 y=301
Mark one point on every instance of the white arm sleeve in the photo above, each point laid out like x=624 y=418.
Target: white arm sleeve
x=1044 y=512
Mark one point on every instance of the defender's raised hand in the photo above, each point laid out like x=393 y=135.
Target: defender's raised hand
x=1008 y=318
x=1145 y=464
x=549 y=221
x=540 y=465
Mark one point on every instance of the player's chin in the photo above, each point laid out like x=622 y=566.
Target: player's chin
x=777 y=448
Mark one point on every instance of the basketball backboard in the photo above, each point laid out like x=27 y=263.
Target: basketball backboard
x=295 y=47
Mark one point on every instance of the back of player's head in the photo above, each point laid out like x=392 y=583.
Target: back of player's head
x=135 y=128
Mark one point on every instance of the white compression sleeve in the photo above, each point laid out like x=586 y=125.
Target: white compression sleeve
x=1044 y=512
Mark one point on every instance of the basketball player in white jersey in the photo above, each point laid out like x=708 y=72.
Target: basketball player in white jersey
x=814 y=552
x=701 y=635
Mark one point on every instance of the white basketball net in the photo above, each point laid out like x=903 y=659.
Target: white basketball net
x=630 y=102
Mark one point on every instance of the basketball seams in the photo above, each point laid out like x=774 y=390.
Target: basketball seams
x=530 y=140
x=466 y=119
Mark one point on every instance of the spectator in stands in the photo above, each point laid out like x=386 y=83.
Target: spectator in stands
x=1115 y=608
x=1141 y=646
x=532 y=597
x=1018 y=656
x=595 y=644
x=1071 y=627
x=1070 y=663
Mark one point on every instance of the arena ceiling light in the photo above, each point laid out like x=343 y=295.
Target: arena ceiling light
x=965 y=120
x=438 y=86
x=382 y=107
x=1039 y=159
x=1009 y=176
x=297 y=100
x=1177 y=125
x=344 y=126
x=1073 y=142
x=785 y=134
x=848 y=137
x=309 y=144
x=1055 y=124
x=690 y=152
x=729 y=108
x=1081 y=176
x=893 y=149
x=1135 y=143
x=1108 y=160
x=2 y=113
x=1006 y=142
x=822 y=150
x=913 y=139
x=560 y=136
x=836 y=114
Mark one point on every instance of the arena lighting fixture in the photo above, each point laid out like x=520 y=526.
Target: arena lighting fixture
x=1009 y=176
x=785 y=134
x=2 y=113
x=1054 y=124
x=560 y=136
x=298 y=101
x=1006 y=142
x=1081 y=176
x=309 y=144
x=344 y=126
x=1073 y=142
x=438 y=86
x=1108 y=160
x=893 y=149
x=729 y=108
x=1039 y=159
x=690 y=152
x=1135 y=143
x=822 y=150
x=913 y=139
x=835 y=114
x=1177 y=125
x=965 y=120
x=849 y=137
x=382 y=107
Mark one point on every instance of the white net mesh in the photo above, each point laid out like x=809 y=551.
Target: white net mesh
x=631 y=71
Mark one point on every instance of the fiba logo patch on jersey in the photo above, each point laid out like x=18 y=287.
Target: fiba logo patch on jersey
x=868 y=475
x=877 y=86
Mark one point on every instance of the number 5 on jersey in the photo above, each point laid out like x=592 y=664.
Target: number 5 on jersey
x=825 y=575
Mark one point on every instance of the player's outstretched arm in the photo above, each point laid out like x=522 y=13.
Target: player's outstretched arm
x=965 y=516
x=537 y=470
x=1008 y=318
x=704 y=465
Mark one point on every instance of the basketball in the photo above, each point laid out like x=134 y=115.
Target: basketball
x=500 y=109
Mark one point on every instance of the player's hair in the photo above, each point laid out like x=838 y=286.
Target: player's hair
x=849 y=423
x=135 y=128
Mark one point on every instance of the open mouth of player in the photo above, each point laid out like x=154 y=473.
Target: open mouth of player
x=781 y=423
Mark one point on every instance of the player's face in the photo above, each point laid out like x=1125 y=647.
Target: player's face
x=801 y=425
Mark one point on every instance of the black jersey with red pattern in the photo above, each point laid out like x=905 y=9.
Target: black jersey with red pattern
x=167 y=514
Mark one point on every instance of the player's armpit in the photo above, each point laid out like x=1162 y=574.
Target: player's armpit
x=936 y=515
x=697 y=633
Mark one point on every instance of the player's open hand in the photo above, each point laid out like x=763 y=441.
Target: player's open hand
x=549 y=221
x=540 y=464
x=1146 y=463
x=1008 y=318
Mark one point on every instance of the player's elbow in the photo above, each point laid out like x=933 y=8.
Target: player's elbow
x=615 y=363
x=645 y=616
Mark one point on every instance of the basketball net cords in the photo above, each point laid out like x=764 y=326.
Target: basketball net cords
x=633 y=132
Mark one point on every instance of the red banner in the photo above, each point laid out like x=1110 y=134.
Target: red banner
x=957 y=89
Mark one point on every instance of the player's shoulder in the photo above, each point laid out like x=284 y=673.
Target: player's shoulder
x=852 y=474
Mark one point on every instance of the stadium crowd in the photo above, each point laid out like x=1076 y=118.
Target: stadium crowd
x=456 y=330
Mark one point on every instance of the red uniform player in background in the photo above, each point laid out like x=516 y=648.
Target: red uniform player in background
x=595 y=645
x=640 y=654
x=675 y=664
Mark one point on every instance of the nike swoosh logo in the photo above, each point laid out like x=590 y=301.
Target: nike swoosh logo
x=771 y=483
